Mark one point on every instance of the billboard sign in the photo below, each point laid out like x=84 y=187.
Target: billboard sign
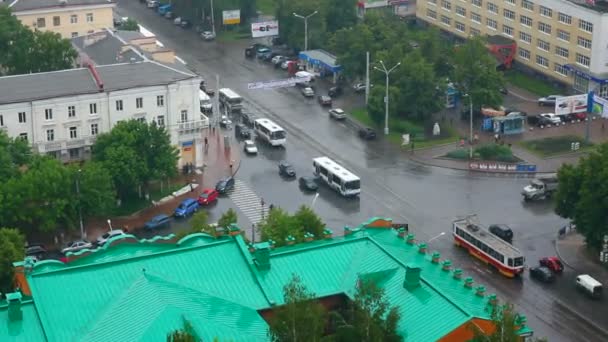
x=265 y=29
x=571 y=104
x=231 y=17
x=501 y=167
x=599 y=106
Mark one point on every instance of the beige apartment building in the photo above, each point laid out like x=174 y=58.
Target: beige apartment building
x=562 y=39
x=70 y=18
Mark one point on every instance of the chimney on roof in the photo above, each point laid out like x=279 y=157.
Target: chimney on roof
x=262 y=255
x=14 y=306
x=412 y=277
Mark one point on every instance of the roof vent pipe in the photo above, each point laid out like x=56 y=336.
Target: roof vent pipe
x=412 y=277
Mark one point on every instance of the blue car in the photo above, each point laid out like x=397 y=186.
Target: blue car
x=186 y=208
x=158 y=222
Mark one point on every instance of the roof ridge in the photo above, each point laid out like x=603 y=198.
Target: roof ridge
x=173 y=69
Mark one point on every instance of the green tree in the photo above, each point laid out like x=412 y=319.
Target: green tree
x=185 y=334
x=340 y=14
x=507 y=323
x=475 y=73
x=97 y=192
x=278 y=225
x=130 y=25
x=301 y=318
x=199 y=221
x=292 y=28
x=13 y=154
x=11 y=250
x=306 y=220
x=227 y=218
x=582 y=195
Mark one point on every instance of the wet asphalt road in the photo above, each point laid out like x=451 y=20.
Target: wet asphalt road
x=427 y=198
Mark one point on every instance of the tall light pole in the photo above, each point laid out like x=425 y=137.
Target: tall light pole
x=212 y=19
x=79 y=204
x=470 y=125
x=436 y=237
x=314 y=200
x=305 y=26
x=387 y=73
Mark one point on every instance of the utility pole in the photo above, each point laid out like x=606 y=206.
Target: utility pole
x=387 y=73
x=366 y=77
x=470 y=127
x=305 y=26
x=82 y=234
x=212 y=19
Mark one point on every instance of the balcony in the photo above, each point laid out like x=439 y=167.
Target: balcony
x=189 y=126
x=66 y=144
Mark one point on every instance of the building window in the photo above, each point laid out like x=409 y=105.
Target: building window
x=563 y=35
x=491 y=23
x=56 y=21
x=74 y=153
x=580 y=83
x=477 y=3
x=546 y=28
x=562 y=52
x=160 y=101
x=509 y=14
x=460 y=26
x=603 y=92
x=142 y=119
x=492 y=8
x=432 y=2
x=527 y=5
x=564 y=18
x=50 y=135
x=559 y=69
x=160 y=121
x=508 y=30
x=543 y=45
x=585 y=26
x=546 y=11
x=526 y=21
x=525 y=37
x=23 y=136
x=510 y=2
x=93 y=108
x=446 y=20
x=73 y=132
x=94 y=129
x=461 y=11
x=446 y=5
x=583 y=60
x=475 y=17
x=584 y=43
x=89 y=17
x=431 y=14
x=139 y=102
x=542 y=61
x=74 y=34
x=73 y=19
x=475 y=32
x=184 y=116
x=40 y=23
x=119 y=105
x=21 y=117
x=71 y=111
x=525 y=54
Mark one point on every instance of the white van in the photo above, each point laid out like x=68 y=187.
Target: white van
x=304 y=78
x=205 y=102
x=591 y=286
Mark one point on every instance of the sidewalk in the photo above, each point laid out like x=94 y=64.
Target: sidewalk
x=571 y=249
x=217 y=161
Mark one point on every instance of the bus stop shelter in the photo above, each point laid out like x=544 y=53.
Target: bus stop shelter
x=508 y=125
x=321 y=63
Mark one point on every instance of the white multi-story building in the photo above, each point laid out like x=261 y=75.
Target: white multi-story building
x=60 y=113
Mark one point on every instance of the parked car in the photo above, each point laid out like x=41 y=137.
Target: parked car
x=278 y=59
x=548 y=100
x=324 y=100
x=503 y=90
x=251 y=50
x=185 y=24
x=285 y=64
x=75 y=246
x=158 y=222
x=542 y=273
x=286 y=170
x=224 y=185
x=249 y=147
x=308 y=183
x=107 y=236
x=263 y=52
x=537 y=120
x=502 y=231
x=242 y=131
x=186 y=208
x=248 y=118
x=308 y=92
x=208 y=196
x=553 y=263
x=335 y=91
x=551 y=117
x=225 y=122
x=337 y=113
x=367 y=133
x=36 y=250
x=208 y=35
x=360 y=87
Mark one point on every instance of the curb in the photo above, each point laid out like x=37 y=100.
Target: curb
x=555 y=244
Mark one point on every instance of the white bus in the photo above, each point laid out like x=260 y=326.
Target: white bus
x=269 y=131
x=205 y=102
x=336 y=176
x=230 y=100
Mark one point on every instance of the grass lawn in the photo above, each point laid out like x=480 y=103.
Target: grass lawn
x=552 y=146
x=531 y=84
x=267 y=7
x=398 y=127
x=487 y=152
x=231 y=35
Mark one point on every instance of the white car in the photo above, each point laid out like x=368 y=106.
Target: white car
x=107 y=236
x=308 y=92
x=551 y=117
x=75 y=246
x=337 y=113
x=360 y=87
x=250 y=147
x=276 y=59
x=285 y=65
x=208 y=35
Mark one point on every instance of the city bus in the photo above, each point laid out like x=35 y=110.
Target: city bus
x=336 y=176
x=488 y=247
x=270 y=132
x=230 y=100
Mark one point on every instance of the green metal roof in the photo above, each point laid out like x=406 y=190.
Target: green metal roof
x=27 y=330
x=140 y=292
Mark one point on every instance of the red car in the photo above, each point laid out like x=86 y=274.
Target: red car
x=553 y=263
x=207 y=197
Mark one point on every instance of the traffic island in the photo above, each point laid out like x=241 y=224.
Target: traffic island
x=555 y=146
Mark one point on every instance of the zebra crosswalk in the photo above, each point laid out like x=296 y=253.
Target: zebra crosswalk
x=247 y=201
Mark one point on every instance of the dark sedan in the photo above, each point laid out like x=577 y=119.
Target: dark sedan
x=542 y=273
x=324 y=100
x=286 y=170
x=308 y=183
x=225 y=185
x=367 y=133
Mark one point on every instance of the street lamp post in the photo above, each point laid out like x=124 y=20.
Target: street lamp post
x=436 y=237
x=305 y=26
x=470 y=125
x=314 y=200
x=79 y=204
x=110 y=224
x=387 y=73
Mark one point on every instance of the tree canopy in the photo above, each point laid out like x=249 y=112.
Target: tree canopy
x=279 y=225
x=11 y=250
x=506 y=322
x=582 y=195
